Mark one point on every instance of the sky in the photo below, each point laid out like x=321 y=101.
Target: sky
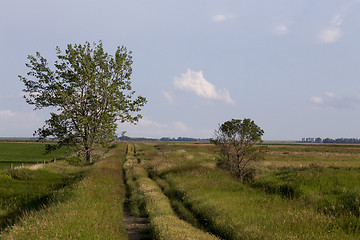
x=291 y=66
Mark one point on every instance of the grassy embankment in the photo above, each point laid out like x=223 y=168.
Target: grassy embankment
x=89 y=209
x=318 y=207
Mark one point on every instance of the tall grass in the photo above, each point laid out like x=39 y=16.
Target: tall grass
x=92 y=209
x=234 y=210
x=163 y=221
x=24 y=189
x=333 y=191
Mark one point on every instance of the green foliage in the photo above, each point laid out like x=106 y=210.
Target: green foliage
x=236 y=140
x=76 y=161
x=90 y=90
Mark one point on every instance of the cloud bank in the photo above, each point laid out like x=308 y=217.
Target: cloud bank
x=331 y=100
x=195 y=82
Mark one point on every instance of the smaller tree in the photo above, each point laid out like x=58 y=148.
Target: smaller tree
x=238 y=142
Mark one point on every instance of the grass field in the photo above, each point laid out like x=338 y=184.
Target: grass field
x=26 y=153
x=298 y=192
x=90 y=208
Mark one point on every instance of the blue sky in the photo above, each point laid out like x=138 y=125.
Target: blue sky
x=291 y=66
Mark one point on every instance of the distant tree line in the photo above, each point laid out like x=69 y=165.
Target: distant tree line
x=165 y=139
x=330 y=140
x=184 y=139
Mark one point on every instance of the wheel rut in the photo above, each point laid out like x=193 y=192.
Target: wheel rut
x=138 y=228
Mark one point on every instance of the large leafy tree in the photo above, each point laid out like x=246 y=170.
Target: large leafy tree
x=88 y=91
x=238 y=141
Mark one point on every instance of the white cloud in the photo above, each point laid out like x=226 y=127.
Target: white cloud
x=337 y=20
x=330 y=35
x=316 y=100
x=169 y=97
x=195 y=82
x=222 y=17
x=219 y=18
x=330 y=95
x=281 y=29
x=7 y=113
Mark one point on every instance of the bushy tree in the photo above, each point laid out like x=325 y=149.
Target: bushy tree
x=89 y=91
x=238 y=142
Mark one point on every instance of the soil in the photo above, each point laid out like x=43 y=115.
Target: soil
x=138 y=228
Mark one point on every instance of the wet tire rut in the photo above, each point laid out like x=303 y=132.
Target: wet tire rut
x=138 y=228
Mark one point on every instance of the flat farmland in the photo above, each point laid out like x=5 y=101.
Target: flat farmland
x=297 y=192
x=320 y=154
x=26 y=153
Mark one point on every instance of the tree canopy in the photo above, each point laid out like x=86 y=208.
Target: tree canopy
x=88 y=90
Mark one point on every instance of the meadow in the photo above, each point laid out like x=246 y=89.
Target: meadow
x=297 y=192
x=87 y=207
x=26 y=153
x=23 y=189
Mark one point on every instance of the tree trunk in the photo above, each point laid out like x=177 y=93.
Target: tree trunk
x=88 y=155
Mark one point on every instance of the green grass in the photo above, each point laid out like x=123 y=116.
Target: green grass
x=298 y=192
x=91 y=209
x=27 y=153
x=233 y=210
x=333 y=191
x=322 y=154
x=24 y=189
x=163 y=220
